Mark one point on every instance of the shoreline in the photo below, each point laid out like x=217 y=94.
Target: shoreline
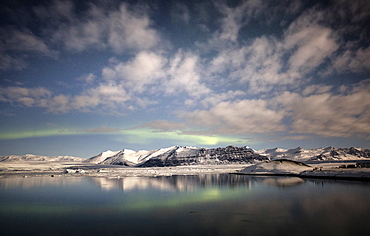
x=335 y=175
x=12 y=169
x=34 y=168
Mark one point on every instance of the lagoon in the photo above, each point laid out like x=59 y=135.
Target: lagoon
x=209 y=204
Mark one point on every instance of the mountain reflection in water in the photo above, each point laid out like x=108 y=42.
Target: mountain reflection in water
x=186 y=183
x=216 y=204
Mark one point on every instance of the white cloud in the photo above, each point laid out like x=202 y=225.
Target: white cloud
x=153 y=73
x=332 y=115
x=314 y=44
x=184 y=75
x=143 y=70
x=310 y=42
x=276 y=63
x=240 y=117
x=351 y=60
x=215 y=98
x=325 y=114
x=111 y=96
x=316 y=111
x=57 y=104
x=22 y=95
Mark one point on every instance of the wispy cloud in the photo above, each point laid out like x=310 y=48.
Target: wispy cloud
x=126 y=28
x=163 y=126
x=17 y=44
x=102 y=129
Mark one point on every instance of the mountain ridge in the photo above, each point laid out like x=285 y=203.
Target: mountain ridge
x=183 y=155
x=186 y=155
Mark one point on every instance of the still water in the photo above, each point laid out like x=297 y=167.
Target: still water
x=220 y=204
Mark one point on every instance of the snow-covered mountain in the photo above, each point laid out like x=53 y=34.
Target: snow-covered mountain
x=31 y=157
x=178 y=155
x=317 y=154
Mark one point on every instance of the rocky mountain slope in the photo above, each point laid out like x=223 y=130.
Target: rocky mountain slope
x=317 y=154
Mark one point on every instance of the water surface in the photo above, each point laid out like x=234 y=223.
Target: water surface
x=220 y=204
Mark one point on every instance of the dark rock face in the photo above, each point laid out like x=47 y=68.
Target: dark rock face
x=336 y=153
x=228 y=155
x=355 y=152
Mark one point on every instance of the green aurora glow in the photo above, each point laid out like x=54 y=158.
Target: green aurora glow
x=142 y=136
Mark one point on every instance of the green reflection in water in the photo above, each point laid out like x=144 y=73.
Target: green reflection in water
x=128 y=202
x=202 y=196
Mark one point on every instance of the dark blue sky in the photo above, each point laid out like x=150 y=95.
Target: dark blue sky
x=81 y=77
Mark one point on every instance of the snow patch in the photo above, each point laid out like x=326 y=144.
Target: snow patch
x=282 y=166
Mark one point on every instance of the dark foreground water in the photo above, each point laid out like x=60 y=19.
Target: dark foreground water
x=183 y=205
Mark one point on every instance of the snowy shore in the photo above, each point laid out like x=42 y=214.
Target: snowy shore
x=327 y=170
x=334 y=170
x=8 y=169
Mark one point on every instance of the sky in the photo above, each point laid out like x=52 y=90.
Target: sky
x=81 y=77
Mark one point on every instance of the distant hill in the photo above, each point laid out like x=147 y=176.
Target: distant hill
x=31 y=157
x=317 y=154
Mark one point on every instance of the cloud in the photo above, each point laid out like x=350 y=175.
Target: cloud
x=22 y=40
x=24 y=96
x=215 y=98
x=145 y=69
x=16 y=45
x=351 y=60
x=154 y=73
x=269 y=62
x=163 y=126
x=88 y=78
x=184 y=75
x=131 y=30
x=108 y=95
x=9 y=62
x=99 y=27
x=315 y=111
x=329 y=115
x=66 y=27
x=103 y=129
x=240 y=117
x=314 y=44
x=316 y=89
x=234 y=18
